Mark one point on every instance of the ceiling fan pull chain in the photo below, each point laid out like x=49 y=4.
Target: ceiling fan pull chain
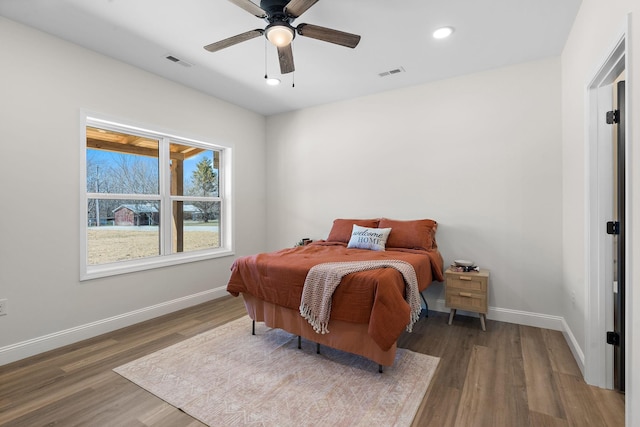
x=293 y=73
x=265 y=59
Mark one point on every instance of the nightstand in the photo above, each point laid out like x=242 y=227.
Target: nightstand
x=467 y=291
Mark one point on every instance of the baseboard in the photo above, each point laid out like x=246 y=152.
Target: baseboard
x=578 y=354
x=510 y=316
x=24 y=349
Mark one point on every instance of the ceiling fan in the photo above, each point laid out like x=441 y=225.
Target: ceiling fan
x=280 y=14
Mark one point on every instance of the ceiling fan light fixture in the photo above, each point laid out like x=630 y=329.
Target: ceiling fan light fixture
x=272 y=81
x=442 y=33
x=280 y=35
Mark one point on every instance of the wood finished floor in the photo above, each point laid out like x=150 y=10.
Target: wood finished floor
x=509 y=375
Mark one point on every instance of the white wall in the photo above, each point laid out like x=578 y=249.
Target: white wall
x=44 y=82
x=596 y=28
x=481 y=154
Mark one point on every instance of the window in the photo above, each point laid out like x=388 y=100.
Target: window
x=150 y=199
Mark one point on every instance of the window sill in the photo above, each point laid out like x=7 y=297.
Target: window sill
x=114 y=269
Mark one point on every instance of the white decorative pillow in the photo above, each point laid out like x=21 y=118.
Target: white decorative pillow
x=368 y=238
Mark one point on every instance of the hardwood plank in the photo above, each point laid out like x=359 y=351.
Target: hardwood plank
x=494 y=393
x=542 y=390
x=126 y=401
x=120 y=347
x=577 y=400
x=453 y=344
x=165 y=415
x=560 y=355
x=439 y=407
x=610 y=403
x=24 y=381
x=45 y=414
x=501 y=374
x=116 y=403
x=458 y=343
x=543 y=420
x=37 y=400
x=476 y=403
x=509 y=396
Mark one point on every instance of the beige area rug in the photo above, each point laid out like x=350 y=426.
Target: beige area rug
x=228 y=377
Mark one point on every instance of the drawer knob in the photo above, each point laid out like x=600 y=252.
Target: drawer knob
x=465 y=294
x=465 y=278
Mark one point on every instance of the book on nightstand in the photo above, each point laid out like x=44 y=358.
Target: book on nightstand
x=464 y=269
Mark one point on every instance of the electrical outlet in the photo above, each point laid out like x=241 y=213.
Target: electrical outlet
x=3 y=307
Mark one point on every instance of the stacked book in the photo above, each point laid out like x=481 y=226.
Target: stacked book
x=464 y=268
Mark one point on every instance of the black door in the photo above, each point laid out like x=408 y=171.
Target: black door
x=617 y=228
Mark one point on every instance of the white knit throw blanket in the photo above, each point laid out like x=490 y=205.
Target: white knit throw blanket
x=323 y=279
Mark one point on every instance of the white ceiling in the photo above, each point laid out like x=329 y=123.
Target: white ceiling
x=488 y=34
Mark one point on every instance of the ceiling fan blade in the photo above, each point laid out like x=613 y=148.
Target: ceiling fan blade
x=214 y=47
x=285 y=55
x=328 y=35
x=296 y=8
x=250 y=7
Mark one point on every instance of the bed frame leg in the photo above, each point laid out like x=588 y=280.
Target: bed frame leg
x=380 y=369
x=426 y=305
x=299 y=342
x=317 y=348
x=253 y=327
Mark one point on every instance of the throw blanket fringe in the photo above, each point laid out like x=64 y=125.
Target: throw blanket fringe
x=323 y=279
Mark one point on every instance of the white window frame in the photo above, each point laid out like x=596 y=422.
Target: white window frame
x=166 y=258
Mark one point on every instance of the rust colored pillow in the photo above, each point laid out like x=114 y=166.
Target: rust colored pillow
x=342 y=228
x=416 y=234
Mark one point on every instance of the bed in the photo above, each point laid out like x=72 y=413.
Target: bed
x=369 y=308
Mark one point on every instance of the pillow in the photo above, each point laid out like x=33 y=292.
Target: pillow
x=416 y=234
x=342 y=228
x=368 y=238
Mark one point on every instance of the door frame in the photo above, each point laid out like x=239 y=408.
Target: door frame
x=598 y=363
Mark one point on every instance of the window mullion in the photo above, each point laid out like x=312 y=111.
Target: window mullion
x=165 y=193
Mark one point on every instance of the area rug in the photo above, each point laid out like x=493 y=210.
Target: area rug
x=228 y=377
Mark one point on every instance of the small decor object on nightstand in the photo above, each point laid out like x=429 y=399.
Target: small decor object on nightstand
x=304 y=242
x=464 y=265
x=466 y=289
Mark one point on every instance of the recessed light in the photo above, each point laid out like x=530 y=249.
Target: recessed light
x=442 y=33
x=272 y=81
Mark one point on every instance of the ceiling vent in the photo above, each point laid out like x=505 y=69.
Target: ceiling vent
x=178 y=61
x=391 y=72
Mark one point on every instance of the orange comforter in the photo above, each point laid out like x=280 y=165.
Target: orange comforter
x=375 y=297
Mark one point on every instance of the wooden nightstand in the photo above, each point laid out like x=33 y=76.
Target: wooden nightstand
x=467 y=291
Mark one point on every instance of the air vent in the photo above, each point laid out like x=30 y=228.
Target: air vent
x=391 y=72
x=178 y=61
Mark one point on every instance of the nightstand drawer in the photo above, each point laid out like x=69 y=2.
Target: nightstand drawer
x=468 y=301
x=470 y=283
